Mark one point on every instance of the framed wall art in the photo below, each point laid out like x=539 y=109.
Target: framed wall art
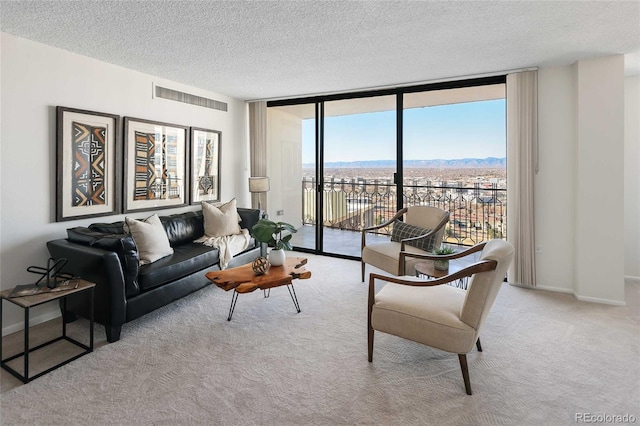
x=88 y=164
x=155 y=166
x=205 y=165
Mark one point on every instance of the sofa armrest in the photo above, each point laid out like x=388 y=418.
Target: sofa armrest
x=101 y=267
x=122 y=244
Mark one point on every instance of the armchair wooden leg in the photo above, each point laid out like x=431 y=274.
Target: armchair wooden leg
x=465 y=372
x=362 y=267
x=370 y=302
x=478 y=345
x=370 y=342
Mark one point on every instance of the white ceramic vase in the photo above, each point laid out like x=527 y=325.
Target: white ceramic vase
x=277 y=257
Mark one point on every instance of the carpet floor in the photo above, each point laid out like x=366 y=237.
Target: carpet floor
x=547 y=358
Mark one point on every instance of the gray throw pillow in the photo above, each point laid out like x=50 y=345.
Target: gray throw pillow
x=403 y=230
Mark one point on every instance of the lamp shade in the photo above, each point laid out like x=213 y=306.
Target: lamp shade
x=258 y=184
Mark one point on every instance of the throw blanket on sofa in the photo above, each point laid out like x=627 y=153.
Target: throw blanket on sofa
x=229 y=245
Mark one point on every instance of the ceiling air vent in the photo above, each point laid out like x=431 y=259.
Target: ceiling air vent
x=174 y=95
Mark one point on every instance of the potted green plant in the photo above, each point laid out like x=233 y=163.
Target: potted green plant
x=442 y=264
x=270 y=232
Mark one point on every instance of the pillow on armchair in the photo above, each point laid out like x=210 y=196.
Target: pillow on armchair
x=403 y=230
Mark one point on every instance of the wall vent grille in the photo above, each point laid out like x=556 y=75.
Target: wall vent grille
x=174 y=95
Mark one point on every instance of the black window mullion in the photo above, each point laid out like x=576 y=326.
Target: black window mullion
x=319 y=176
x=456 y=84
x=399 y=154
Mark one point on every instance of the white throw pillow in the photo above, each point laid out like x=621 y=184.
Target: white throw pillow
x=220 y=221
x=150 y=237
x=219 y=204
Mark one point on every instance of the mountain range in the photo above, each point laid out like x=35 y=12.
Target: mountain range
x=489 y=162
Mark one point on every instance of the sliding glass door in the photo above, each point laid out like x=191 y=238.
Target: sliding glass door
x=340 y=163
x=291 y=165
x=454 y=150
x=359 y=165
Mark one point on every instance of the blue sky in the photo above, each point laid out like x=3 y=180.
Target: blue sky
x=468 y=130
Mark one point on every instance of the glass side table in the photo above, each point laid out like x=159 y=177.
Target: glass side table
x=28 y=302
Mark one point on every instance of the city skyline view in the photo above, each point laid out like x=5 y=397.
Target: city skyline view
x=454 y=158
x=454 y=131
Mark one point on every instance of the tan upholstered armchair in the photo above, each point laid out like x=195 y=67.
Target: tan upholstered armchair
x=422 y=230
x=437 y=315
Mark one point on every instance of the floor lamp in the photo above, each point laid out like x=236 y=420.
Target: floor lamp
x=258 y=185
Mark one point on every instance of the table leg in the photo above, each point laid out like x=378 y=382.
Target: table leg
x=91 y=310
x=64 y=310
x=293 y=296
x=1 y=330
x=26 y=345
x=234 y=299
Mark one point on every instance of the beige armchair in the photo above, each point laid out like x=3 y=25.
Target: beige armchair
x=425 y=232
x=437 y=315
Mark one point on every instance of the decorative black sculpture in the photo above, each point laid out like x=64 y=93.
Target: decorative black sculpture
x=52 y=273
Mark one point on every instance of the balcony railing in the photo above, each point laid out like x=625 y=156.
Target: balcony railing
x=478 y=213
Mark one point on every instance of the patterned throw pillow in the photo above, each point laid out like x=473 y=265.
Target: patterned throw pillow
x=403 y=230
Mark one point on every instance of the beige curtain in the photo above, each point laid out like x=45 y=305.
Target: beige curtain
x=258 y=146
x=522 y=165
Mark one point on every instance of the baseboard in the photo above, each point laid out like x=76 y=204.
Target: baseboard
x=576 y=295
x=545 y=288
x=556 y=289
x=599 y=300
x=630 y=279
x=47 y=316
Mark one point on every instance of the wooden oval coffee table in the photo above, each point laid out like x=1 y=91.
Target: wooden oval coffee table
x=242 y=279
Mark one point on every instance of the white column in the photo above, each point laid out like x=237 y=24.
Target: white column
x=599 y=180
x=632 y=178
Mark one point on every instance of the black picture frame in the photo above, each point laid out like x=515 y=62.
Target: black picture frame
x=205 y=163
x=156 y=165
x=88 y=164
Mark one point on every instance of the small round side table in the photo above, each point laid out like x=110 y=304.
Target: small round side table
x=426 y=269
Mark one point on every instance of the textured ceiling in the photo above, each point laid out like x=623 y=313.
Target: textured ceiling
x=278 y=49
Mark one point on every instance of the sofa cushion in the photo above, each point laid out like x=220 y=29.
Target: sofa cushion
x=108 y=228
x=183 y=228
x=150 y=237
x=185 y=260
x=122 y=244
x=84 y=236
x=222 y=221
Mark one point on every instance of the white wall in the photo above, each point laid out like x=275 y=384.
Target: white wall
x=554 y=183
x=599 y=180
x=36 y=78
x=632 y=178
x=579 y=204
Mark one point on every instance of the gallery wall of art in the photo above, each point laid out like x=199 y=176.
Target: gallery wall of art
x=35 y=80
x=103 y=170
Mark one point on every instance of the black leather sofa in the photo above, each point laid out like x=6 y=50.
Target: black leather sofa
x=104 y=254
